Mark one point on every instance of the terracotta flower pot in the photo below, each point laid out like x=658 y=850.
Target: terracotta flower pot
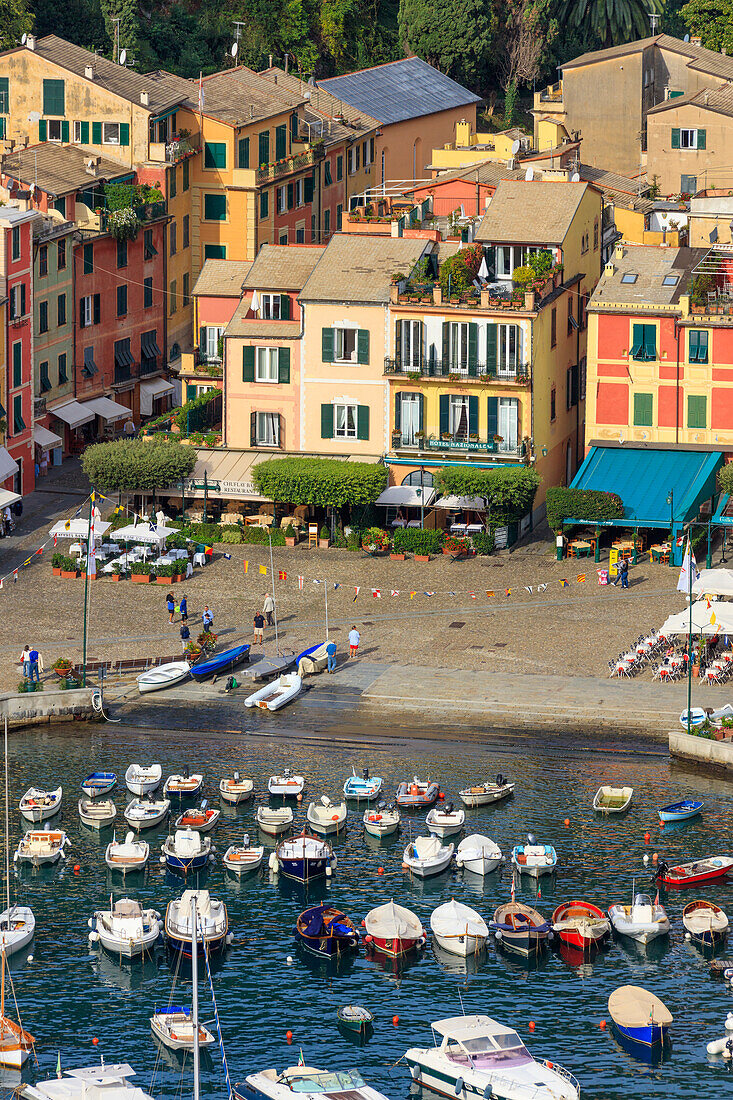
x=397 y=557
x=62 y=672
x=422 y=557
x=323 y=544
x=289 y=541
x=163 y=580
x=56 y=572
x=72 y=573
x=140 y=578
x=179 y=577
x=116 y=576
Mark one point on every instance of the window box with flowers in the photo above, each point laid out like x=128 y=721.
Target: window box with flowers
x=122 y=224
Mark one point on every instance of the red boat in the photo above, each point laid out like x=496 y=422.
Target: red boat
x=393 y=930
x=690 y=874
x=581 y=925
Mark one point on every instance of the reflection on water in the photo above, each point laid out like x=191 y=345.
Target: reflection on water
x=68 y=994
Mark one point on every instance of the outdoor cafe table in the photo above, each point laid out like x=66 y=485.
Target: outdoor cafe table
x=581 y=547
x=458 y=528
x=660 y=551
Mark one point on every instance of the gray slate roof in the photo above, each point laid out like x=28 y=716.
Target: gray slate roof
x=221 y=278
x=360 y=269
x=281 y=267
x=650 y=263
x=399 y=90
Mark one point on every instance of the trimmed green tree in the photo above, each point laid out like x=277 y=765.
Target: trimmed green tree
x=137 y=466
x=326 y=482
x=589 y=505
x=510 y=492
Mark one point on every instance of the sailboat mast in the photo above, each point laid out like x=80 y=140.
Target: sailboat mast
x=274 y=597
x=195 y=998
x=325 y=591
x=7 y=827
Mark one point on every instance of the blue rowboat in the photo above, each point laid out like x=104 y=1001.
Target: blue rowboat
x=304 y=857
x=641 y=1020
x=680 y=811
x=361 y=787
x=325 y=930
x=99 y=783
x=221 y=662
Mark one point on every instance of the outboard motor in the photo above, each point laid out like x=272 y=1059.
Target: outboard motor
x=448 y=809
x=365 y=774
x=500 y=780
x=662 y=869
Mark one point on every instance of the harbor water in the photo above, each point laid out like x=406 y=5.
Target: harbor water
x=71 y=991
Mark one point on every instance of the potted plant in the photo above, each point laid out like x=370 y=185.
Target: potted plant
x=140 y=573
x=62 y=667
x=206 y=640
x=454 y=547
x=164 y=573
x=324 y=538
x=291 y=535
x=193 y=651
x=56 y=562
x=396 y=556
x=116 y=573
x=69 y=568
x=375 y=540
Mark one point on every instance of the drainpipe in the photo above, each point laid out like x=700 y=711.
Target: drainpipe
x=577 y=404
x=677 y=386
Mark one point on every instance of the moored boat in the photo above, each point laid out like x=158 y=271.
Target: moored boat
x=458 y=929
x=520 y=929
x=202 y=818
x=362 y=788
x=274 y=822
x=163 y=676
x=641 y=1020
x=186 y=851
x=99 y=783
x=145 y=813
x=304 y=857
x=235 y=789
x=306 y=1082
x=213 y=923
x=445 y=820
x=479 y=854
x=642 y=921
x=425 y=856
x=276 y=694
x=142 y=779
x=393 y=929
x=15 y=1043
x=482 y=794
x=17 y=927
x=183 y=786
x=692 y=874
x=241 y=858
x=326 y=931
x=286 y=785
x=418 y=794
x=612 y=800
x=534 y=859
x=98 y=815
x=326 y=818
x=40 y=846
x=382 y=820
x=581 y=925
x=681 y=811
x=174 y=1027
x=89 y=1083
x=126 y=929
x=355 y=1019
x=706 y=923
x=226 y=661
x=127 y=855
x=37 y=805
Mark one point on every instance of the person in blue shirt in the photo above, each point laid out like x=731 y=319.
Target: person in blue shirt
x=331 y=654
x=184 y=608
x=207 y=619
x=35 y=660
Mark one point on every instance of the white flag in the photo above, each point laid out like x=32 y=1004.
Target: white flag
x=483 y=271
x=684 y=581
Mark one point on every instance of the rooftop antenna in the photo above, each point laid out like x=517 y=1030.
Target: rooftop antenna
x=237 y=35
x=653 y=20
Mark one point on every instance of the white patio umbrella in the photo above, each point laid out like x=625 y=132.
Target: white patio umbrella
x=714 y=582
x=144 y=532
x=78 y=529
x=715 y=619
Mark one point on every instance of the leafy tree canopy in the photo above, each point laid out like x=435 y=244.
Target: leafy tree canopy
x=509 y=491
x=15 y=21
x=610 y=21
x=326 y=482
x=137 y=466
x=456 y=36
x=712 y=20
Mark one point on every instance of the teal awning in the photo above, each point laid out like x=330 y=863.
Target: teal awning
x=438 y=462
x=644 y=478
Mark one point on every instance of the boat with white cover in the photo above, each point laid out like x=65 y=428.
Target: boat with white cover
x=17 y=926
x=534 y=859
x=425 y=856
x=382 y=820
x=183 y=786
x=642 y=921
x=144 y=813
x=362 y=788
x=40 y=846
x=37 y=805
x=274 y=822
x=276 y=694
x=213 y=923
x=174 y=1027
x=445 y=821
x=98 y=815
x=102 y=1082
x=393 y=929
x=235 y=789
x=326 y=818
x=479 y=854
x=705 y=922
x=309 y=1083
x=163 y=676
x=186 y=851
x=126 y=929
x=482 y=794
x=286 y=785
x=241 y=858
x=127 y=855
x=458 y=928
x=99 y=783
x=475 y=1056
x=142 y=779
x=612 y=800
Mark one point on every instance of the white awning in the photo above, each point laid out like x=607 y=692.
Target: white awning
x=462 y=504
x=150 y=390
x=78 y=528
x=74 y=413
x=714 y=582
x=717 y=618
x=8 y=465
x=407 y=496
x=107 y=409
x=143 y=532
x=44 y=438
x=6 y=498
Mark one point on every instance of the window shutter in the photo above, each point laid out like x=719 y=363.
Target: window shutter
x=702 y=349
x=362 y=421
x=446 y=348
x=362 y=345
x=65 y=130
x=421 y=411
x=326 y=421
x=22 y=299
x=124 y=133
x=397 y=411
x=473 y=415
x=202 y=339
x=283 y=365
x=643 y=409
x=96 y=133
x=574 y=385
x=491 y=347
x=492 y=414
x=248 y=362
x=568 y=389
x=444 y=412
x=291 y=199
x=637 y=342
x=243 y=153
x=675 y=137
x=81 y=313
x=281 y=142
x=280 y=430
x=327 y=353
x=308 y=189
x=398 y=344
x=472 y=349
x=42 y=130
x=253 y=429
x=85 y=133
x=97 y=309
x=284 y=307
x=294 y=126
x=701 y=138
x=650 y=342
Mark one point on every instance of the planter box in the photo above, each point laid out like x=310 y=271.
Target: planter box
x=179 y=577
x=62 y=673
x=68 y=576
x=289 y=541
x=163 y=580
x=453 y=553
x=116 y=576
x=422 y=557
x=397 y=557
x=140 y=578
x=56 y=572
x=323 y=544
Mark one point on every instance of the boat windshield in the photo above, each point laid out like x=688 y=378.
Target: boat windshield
x=328 y=1082
x=485 y=1044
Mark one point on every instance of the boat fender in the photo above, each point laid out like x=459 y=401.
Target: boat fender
x=499 y=934
x=94 y=937
x=459 y=861
x=729 y=1022
x=488 y=1092
x=272 y=862
x=230 y=938
x=334 y=861
x=458 y=1087
x=728 y=974
x=92 y=923
x=415 y=1071
x=329 y=871
x=162 y=859
x=717 y=1046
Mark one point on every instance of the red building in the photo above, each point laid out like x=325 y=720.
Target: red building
x=17 y=470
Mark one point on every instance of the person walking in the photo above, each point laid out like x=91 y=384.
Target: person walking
x=25 y=660
x=185 y=636
x=259 y=626
x=184 y=608
x=267 y=609
x=207 y=618
x=170 y=603
x=354 y=639
x=36 y=665
x=622 y=574
x=331 y=655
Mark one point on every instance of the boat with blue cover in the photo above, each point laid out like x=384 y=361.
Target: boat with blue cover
x=681 y=811
x=186 y=851
x=99 y=783
x=220 y=662
x=362 y=788
x=325 y=930
x=641 y=1020
x=534 y=859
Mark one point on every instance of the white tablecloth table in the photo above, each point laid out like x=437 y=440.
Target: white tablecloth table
x=199 y=559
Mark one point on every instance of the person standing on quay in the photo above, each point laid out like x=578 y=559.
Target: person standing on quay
x=259 y=626
x=185 y=636
x=354 y=639
x=36 y=665
x=331 y=655
x=207 y=619
x=170 y=603
x=268 y=608
x=184 y=608
x=25 y=660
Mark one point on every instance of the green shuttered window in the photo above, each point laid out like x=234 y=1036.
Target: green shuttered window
x=698 y=352
x=696 y=412
x=243 y=153
x=215 y=208
x=53 y=97
x=643 y=410
x=644 y=342
x=215 y=154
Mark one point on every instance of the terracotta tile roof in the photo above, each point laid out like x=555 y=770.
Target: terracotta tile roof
x=360 y=269
x=280 y=267
x=651 y=264
x=531 y=212
x=621 y=190
x=409 y=88
x=59 y=169
x=252 y=328
x=717 y=99
x=221 y=278
x=333 y=120
x=489 y=172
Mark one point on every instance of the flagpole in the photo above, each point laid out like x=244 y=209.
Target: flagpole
x=325 y=592
x=86 y=593
x=689 y=639
x=274 y=598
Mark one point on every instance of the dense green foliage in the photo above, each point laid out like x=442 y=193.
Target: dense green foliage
x=137 y=466
x=412 y=540
x=725 y=478
x=322 y=481
x=456 y=36
x=15 y=21
x=712 y=20
x=611 y=21
x=510 y=492
x=585 y=504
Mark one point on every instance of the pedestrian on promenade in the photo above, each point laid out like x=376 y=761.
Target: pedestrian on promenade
x=331 y=654
x=36 y=665
x=170 y=603
x=9 y=521
x=185 y=636
x=354 y=639
x=267 y=609
x=207 y=618
x=25 y=660
x=622 y=574
x=259 y=625
x=184 y=608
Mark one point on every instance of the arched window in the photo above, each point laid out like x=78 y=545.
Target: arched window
x=418 y=477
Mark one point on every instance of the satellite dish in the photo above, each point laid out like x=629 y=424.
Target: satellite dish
x=516 y=144
x=529 y=174
x=575 y=178
x=235 y=49
x=24 y=39
x=123 y=57
x=686 y=38
x=34 y=116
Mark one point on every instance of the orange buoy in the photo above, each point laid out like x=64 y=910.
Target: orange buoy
x=95 y=1040
x=299 y=798
x=395 y=1020
x=531 y=1025
x=655 y=857
x=368 y=939
x=567 y=821
x=441 y=796
x=289 y=1036
x=77 y=868
x=602 y=1025
x=661 y=824
x=380 y=871
x=363 y=924
x=647 y=837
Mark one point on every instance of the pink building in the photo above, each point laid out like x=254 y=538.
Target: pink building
x=216 y=295
x=17 y=470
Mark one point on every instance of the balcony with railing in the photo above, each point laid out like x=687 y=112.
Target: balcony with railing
x=276 y=169
x=459 y=445
x=173 y=151
x=551 y=94
x=518 y=373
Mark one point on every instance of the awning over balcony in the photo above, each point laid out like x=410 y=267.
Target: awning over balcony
x=406 y=496
x=150 y=390
x=43 y=438
x=108 y=409
x=73 y=413
x=8 y=465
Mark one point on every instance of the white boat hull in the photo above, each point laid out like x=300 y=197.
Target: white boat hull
x=127 y=856
x=237 y=792
x=424 y=868
x=478 y=864
x=281 y=787
x=380 y=825
x=472 y=799
x=243 y=860
x=458 y=944
x=274 y=828
x=163 y=676
x=96 y=815
x=444 y=830
x=16 y=932
x=177 y=1033
x=127 y=947
x=141 y=781
x=40 y=812
x=147 y=820
x=465 y=1084
x=536 y=871
x=277 y=694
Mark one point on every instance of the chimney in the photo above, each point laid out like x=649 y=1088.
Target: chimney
x=89 y=72
x=145 y=98
x=269 y=61
x=695 y=40
x=707 y=95
x=31 y=41
x=618 y=251
x=610 y=268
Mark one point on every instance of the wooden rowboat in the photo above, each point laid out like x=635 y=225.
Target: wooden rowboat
x=681 y=811
x=690 y=874
x=706 y=922
x=613 y=800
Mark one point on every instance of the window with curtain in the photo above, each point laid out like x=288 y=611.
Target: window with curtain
x=268 y=429
x=345 y=345
x=458 y=346
x=409 y=418
x=345 y=417
x=508 y=348
x=508 y=423
x=412 y=345
x=458 y=422
x=266 y=366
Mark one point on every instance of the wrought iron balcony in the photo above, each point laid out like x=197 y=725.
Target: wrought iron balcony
x=285 y=167
x=460 y=443
x=483 y=372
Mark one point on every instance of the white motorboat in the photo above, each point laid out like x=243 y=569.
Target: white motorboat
x=99 y=783
x=98 y=815
x=127 y=855
x=458 y=928
x=481 y=794
x=241 y=858
x=144 y=813
x=174 y=1027
x=425 y=856
x=17 y=925
x=479 y=854
x=364 y=787
x=183 y=786
x=478 y=1056
x=309 y=1083
x=277 y=694
x=37 y=805
x=201 y=818
x=612 y=800
x=642 y=921
x=303 y=858
x=126 y=929
x=213 y=923
x=163 y=676
x=106 y=1081
x=143 y=779
x=445 y=821
x=326 y=818
x=186 y=851
x=274 y=822
x=534 y=859
x=235 y=789
x=40 y=846
x=286 y=785
x=382 y=821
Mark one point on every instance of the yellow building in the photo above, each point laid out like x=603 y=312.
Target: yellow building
x=472 y=147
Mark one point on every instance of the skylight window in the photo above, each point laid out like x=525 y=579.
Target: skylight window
x=670 y=280
x=629 y=277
